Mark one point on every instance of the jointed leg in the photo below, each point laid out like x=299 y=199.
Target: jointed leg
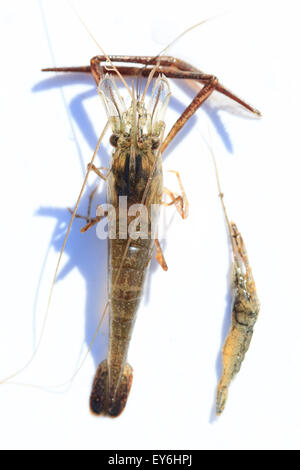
x=185 y=203
x=160 y=256
x=177 y=201
x=182 y=70
x=90 y=221
x=181 y=202
x=169 y=66
x=189 y=111
x=172 y=68
x=98 y=172
x=182 y=206
x=91 y=197
x=88 y=216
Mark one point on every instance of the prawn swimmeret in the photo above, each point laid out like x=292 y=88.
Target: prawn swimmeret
x=136 y=174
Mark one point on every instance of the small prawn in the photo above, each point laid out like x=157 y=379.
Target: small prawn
x=245 y=309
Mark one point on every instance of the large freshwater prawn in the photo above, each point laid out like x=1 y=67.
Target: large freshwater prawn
x=136 y=176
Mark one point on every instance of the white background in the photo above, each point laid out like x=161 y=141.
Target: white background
x=49 y=127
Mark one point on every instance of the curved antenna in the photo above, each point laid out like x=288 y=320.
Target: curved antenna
x=240 y=258
x=102 y=51
x=221 y=194
x=185 y=32
x=154 y=59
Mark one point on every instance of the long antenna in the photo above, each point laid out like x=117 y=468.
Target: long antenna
x=221 y=194
x=187 y=31
x=154 y=59
x=101 y=49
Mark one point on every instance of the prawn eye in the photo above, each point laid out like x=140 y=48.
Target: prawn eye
x=114 y=140
x=155 y=143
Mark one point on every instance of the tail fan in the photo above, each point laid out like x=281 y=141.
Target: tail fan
x=100 y=401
